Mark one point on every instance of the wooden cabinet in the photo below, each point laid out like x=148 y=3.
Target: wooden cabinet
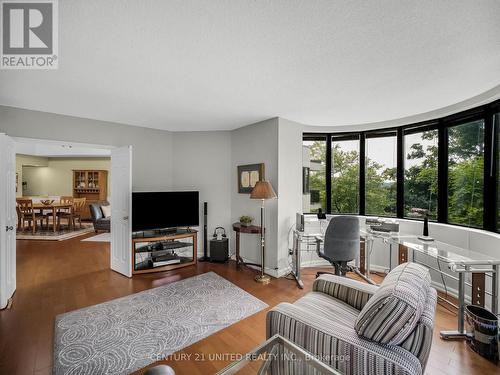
x=92 y=185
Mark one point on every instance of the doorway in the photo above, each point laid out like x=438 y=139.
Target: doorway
x=119 y=197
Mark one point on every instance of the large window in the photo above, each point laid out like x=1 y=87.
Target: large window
x=380 y=174
x=421 y=174
x=466 y=173
x=314 y=174
x=447 y=169
x=496 y=122
x=345 y=175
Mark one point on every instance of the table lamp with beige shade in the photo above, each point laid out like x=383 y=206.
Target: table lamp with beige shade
x=262 y=190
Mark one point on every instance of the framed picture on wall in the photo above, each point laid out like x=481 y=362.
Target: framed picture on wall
x=248 y=175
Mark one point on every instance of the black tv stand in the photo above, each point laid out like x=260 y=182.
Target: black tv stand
x=154 y=252
x=161 y=232
x=166 y=231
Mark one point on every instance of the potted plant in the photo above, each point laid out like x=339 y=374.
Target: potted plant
x=246 y=220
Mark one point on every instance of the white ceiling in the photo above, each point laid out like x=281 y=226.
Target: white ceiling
x=221 y=64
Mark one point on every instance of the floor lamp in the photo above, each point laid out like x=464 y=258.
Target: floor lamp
x=263 y=190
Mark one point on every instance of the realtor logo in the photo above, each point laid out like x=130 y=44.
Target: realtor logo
x=29 y=34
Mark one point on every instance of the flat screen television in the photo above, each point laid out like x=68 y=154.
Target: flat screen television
x=161 y=210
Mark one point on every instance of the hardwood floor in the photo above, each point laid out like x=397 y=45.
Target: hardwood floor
x=57 y=277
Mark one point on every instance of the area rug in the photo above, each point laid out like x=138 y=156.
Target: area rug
x=128 y=333
x=47 y=234
x=101 y=237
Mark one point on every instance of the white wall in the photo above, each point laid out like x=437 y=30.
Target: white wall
x=256 y=143
x=152 y=149
x=289 y=186
x=202 y=161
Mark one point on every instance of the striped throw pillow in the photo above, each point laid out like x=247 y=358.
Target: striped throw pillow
x=393 y=312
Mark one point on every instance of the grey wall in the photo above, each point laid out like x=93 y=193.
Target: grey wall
x=152 y=149
x=256 y=143
x=289 y=186
x=202 y=161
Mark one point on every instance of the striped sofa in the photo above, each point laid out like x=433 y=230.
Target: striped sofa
x=357 y=328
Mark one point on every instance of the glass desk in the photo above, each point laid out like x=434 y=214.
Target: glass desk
x=278 y=355
x=458 y=260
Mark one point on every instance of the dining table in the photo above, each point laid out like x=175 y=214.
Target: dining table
x=54 y=206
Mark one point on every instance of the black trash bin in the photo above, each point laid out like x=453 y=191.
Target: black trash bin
x=482 y=331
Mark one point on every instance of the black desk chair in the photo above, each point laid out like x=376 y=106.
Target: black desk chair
x=341 y=245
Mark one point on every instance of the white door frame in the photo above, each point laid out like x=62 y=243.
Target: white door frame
x=7 y=220
x=121 y=210
x=11 y=273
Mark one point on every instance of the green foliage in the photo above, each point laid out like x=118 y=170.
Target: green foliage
x=465 y=177
x=245 y=219
x=380 y=182
x=345 y=180
x=465 y=193
x=421 y=179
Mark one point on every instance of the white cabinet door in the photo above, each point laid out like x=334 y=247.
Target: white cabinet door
x=8 y=218
x=121 y=207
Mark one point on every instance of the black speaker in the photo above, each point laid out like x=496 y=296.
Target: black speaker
x=219 y=250
x=205 y=234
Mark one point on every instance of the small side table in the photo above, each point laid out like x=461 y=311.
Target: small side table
x=249 y=229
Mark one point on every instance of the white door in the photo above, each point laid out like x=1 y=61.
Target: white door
x=8 y=219
x=121 y=207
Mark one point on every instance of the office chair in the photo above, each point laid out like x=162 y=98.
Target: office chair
x=341 y=245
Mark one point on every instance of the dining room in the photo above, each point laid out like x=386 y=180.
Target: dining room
x=56 y=187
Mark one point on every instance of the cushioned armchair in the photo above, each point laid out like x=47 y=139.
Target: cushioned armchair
x=359 y=328
x=100 y=222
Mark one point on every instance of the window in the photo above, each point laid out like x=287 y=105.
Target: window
x=380 y=175
x=496 y=122
x=421 y=174
x=436 y=168
x=466 y=173
x=345 y=175
x=314 y=174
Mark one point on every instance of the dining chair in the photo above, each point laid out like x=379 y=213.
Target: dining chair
x=65 y=212
x=78 y=210
x=26 y=212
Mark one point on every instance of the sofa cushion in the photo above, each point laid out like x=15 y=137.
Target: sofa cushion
x=95 y=211
x=106 y=211
x=392 y=313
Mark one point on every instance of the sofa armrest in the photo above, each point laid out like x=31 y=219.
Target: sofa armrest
x=352 y=292
x=338 y=345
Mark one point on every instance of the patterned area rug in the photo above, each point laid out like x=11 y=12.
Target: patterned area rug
x=128 y=333
x=47 y=234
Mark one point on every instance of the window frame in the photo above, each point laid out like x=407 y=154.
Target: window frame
x=485 y=112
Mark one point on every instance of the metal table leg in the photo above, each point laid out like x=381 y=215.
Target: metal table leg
x=460 y=333
x=390 y=257
x=494 y=290
x=368 y=251
x=296 y=254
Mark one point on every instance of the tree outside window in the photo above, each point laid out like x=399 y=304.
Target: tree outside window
x=466 y=173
